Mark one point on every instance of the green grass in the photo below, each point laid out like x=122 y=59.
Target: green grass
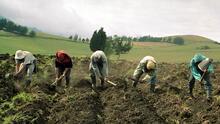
x=39 y=45
x=49 y=44
x=24 y=97
x=175 y=53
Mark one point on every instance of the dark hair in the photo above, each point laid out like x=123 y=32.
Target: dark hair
x=20 y=60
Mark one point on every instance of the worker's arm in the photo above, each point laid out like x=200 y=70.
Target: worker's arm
x=17 y=67
x=57 y=73
x=20 y=69
x=66 y=71
x=59 y=78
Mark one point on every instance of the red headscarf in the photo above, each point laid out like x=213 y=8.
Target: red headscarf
x=62 y=54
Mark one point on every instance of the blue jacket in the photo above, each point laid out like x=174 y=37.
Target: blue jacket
x=198 y=57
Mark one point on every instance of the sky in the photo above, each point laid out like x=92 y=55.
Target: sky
x=117 y=17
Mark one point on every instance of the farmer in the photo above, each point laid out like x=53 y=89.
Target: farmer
x=63 y=64
x=98 y=68
x=146 y=65
x=197 y=72
x=25 y=63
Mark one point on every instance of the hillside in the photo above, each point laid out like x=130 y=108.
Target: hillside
x=41 y=44
x=39 y=35
x=193 y=38
x=166 y=52
x=163 y=52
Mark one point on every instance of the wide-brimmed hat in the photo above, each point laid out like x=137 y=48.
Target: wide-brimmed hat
x=203 y=65
x=150 y=65
x=19 y=54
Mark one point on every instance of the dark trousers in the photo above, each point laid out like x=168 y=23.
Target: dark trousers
x=67 y=77
x=207 y=83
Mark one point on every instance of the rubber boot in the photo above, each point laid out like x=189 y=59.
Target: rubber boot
x=27 y=83
x=93 y=82
x=67 y=83
x=191 y=93
x=152 y=88
x=208 y=93
x=126 y=84
x=102 y=83
x=134 y=84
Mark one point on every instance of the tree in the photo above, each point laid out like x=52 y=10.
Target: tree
x=3 y=23
x=75 y=37
x=87 y=39
x=79 y=39
x=70 y=37
x=83 y=40
x=135 y=39
x=169 y=39
x=121 y=47
x=178 y=40
x=98 y=40
x=10 y=26
x=18 y=29
x=109 y=49
x=124 y=38
x=130 y=38
x=32 y=33
x=23 y=30
x=93 y=41
x=102 y=39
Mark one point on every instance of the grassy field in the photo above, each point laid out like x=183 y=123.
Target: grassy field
x=43 y=44
x=163 y=52
x=174 y=53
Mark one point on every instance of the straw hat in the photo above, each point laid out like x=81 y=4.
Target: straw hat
x=203 y=65
x=19 y=54
x=150 y=65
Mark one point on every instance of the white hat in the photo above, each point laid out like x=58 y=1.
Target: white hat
x=19 y=54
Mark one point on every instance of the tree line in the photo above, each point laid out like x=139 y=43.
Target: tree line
x=10 y=26
x=76 y=37
x=175 y=40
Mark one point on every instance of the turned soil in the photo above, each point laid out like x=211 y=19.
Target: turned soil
x=121 y=104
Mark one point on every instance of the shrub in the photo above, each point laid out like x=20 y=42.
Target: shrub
x=203 y=47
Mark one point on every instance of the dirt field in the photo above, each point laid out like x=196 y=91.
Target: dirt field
x=40 y=103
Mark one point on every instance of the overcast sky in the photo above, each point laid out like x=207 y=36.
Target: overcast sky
x=121 y=17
